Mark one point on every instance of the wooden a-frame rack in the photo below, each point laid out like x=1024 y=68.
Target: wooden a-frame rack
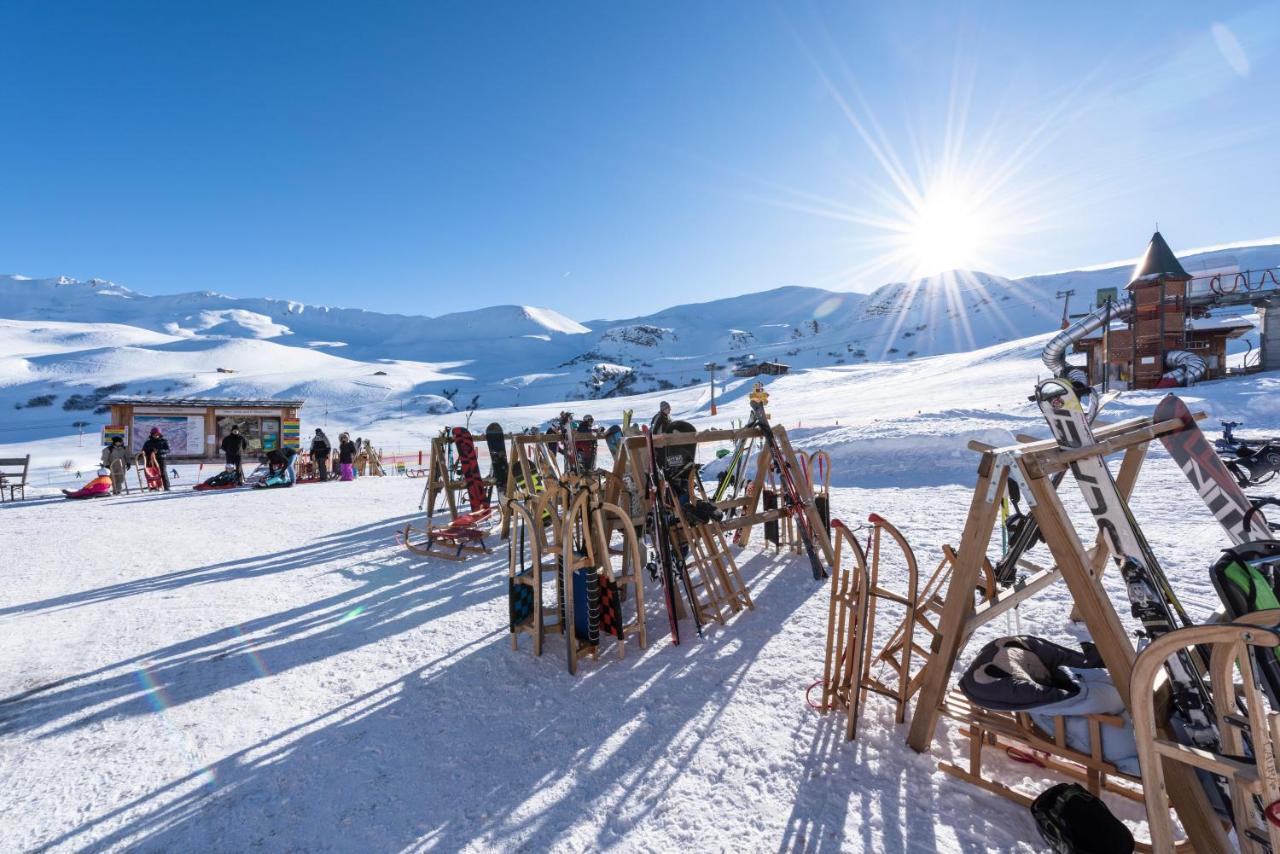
x=440 y=481
x=1032 y=463
x=633 y=461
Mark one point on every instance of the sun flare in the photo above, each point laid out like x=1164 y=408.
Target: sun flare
x=945 y=230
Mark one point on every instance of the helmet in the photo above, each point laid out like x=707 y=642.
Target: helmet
x=103 y=472
x=155 y=431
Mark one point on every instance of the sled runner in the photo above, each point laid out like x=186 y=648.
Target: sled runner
x=454 y=540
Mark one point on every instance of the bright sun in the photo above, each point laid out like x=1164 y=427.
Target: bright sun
x=945 y=230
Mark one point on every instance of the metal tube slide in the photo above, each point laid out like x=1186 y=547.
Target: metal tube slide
x=1181 y=366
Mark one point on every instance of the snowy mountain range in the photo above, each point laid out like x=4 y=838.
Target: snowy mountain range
x=63 y=341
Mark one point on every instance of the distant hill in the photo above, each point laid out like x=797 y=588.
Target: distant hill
x=64 y=337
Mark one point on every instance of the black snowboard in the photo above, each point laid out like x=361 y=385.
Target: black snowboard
x=496 y=441
x=675 y=458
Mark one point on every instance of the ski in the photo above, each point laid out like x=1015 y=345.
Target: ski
x=1152 y=600
x=1028 y=530
x=661 y=536
x=737 y=459
x=1208 y=474
x=790 y=494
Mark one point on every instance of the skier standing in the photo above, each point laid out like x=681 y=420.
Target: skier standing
x=115 y=459
x=662 y=420
x=234 y=445
x=320 y=451
x=346 y=456
x=157 y=448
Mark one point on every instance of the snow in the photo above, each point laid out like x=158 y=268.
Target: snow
x=474 y=353
x=269 y=669
x=257 y=669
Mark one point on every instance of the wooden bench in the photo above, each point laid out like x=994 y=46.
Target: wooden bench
x=13 y=476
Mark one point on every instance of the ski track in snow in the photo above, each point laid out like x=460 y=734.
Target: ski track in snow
x=269 y=669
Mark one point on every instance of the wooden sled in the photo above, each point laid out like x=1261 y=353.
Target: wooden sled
x=455 y=540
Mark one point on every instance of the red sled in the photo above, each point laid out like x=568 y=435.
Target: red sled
x=149 y=475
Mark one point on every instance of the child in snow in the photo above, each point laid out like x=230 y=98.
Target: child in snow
x=346 y=456
x=157 y=448
x=115 y=459
x=99 y=486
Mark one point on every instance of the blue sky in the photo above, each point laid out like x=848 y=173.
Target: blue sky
x=610 y=159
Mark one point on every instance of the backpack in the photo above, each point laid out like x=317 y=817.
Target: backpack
x=1247 y=578
x=1072 y=821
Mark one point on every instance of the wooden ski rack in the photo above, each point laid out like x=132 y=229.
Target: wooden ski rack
x=633 y=459
x=463 y=534
x=440 y=481
x=567 y=527
x=1031 y=463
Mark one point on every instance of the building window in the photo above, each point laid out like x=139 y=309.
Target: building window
x=263 y=434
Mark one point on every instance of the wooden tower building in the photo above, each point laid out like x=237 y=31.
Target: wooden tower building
x=1158 y=289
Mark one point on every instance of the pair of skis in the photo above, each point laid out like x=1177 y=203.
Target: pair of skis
x=795 y=504
x=668 y=563
x=1152 y=599
x=1028 y=530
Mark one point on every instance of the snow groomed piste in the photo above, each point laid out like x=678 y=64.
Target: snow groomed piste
x=585 y=542
x=578 y=537
x=599 y=546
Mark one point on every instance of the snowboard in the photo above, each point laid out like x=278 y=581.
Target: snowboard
x=1208 y=474
x=610 y=607
x=519 y=602
x=497 y=442
x=586 y=605
x=613 y=440
x=1023 y=531
x=466 y=448
x=674 y=458
x=585 y=450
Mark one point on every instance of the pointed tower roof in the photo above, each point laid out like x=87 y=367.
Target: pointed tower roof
x=1159 y=263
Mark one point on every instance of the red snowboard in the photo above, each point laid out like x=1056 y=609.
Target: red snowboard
x=466 y=448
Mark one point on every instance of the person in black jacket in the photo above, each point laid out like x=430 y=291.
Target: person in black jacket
x=346 y=456
x=156 y=448
x=662 y=421
x=320 y=451
x=280 y=461
x=234 y=445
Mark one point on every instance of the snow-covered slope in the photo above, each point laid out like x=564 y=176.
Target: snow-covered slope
x=273 y=670
x=63 y=338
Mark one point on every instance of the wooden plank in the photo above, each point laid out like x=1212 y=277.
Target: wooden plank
x=959 y=601
x=804 y=487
